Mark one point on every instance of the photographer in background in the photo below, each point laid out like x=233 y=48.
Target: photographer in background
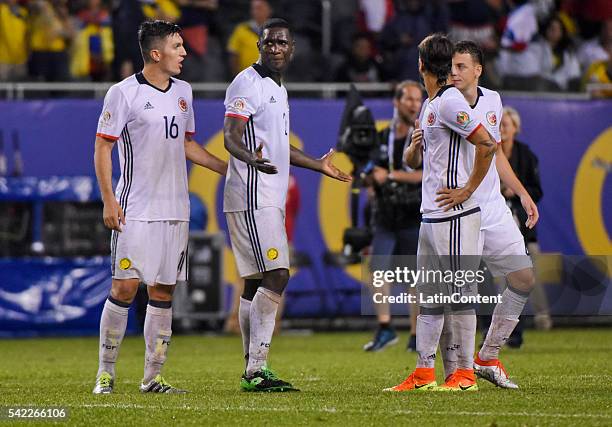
x=396 y=203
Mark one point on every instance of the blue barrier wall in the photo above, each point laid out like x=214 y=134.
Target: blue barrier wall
x=573 y=140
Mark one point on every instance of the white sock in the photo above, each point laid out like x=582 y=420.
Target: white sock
x=112 y=329
x=505 y=317
x=157 y=333
x=464 y=335
x=262 y=320
x=448 y=348
x=244 y=314
x=428 y=330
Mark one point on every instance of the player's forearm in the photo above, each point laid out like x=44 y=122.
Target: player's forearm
x=407 y=177
x=298 y=158
x=413 y=157
x=104 y=169
x=482 y=162
x=232 y=141
x=200 y=156
x=507 y=175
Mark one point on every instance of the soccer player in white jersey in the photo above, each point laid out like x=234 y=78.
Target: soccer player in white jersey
x=256 y=132
x=150 y=115
x=450 y=226
x=503 y=246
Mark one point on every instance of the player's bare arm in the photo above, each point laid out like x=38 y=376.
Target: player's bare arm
x=413 y=156
x=510 y=180
x=485 y=149
x=112 y=214
x=233 y=129
x=201 y=156
x=323 y=165
x=406 y=177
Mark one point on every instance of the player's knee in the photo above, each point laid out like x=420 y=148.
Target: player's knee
x=124 y=290
x=250 y=288
x=160 y=292
x=276 y=280
x=523 y=280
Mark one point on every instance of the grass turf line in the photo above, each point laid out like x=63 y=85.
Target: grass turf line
x=564 y=377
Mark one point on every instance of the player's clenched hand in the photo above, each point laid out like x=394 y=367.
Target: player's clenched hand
x=448 y=198
x=113 y=215
x=531 y=209
x=328 y=168
x=262 y=164
x=417 y=135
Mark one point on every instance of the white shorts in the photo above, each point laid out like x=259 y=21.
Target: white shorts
x=259 y=240
x=154 y=252
x=503 y=247
x=449 y=244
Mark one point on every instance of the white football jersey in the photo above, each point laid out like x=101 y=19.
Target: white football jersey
x=488 y=195
x=150 y=125
x=256 y=98
x=447 y=121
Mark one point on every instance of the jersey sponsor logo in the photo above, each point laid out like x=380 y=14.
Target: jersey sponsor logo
x=272 y=100
x=239 y=104
x=272 y=254
x=183 y=105
x=492 y=118
x=125 y=263
x=106 y=116
x=463 y=118
x=148 y=106
x=431 y=118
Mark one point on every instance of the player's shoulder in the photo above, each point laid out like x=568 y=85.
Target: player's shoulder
x=449 y=92
x=490 y=95
x=247 y=76
x=182 y=84
x=125 y=84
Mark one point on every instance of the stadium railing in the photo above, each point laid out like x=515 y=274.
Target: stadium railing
x=33 y=90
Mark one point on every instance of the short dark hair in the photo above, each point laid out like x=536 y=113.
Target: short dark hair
x=436 y=53
x=275 y=23
x=151 y=32
x=468 y=46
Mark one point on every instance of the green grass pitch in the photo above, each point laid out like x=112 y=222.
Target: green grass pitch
x=565 y=379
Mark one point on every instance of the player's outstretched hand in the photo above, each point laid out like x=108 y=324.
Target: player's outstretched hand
x=451 y=197
x=531 y=209
x=113 y=215
x=262 y=164
x=328 y=168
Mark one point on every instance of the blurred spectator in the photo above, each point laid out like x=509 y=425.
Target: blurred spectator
x=594 y=50
x=13 y=41
x=360 y=66
x=375 y=14
x=516 y=63
x=476 y=20
x=242 y=44
x=196 y=16
x=50 y=36
x=558 y=61
x=343 y=24
x=601 y=72
x=414 y=20
x=305 y=19
x=92 y=49
x=127 y=15
x=166 y=10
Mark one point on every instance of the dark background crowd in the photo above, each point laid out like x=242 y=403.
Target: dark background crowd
x=530 y=45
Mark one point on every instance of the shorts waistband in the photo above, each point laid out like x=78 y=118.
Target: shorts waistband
x=450 y=218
